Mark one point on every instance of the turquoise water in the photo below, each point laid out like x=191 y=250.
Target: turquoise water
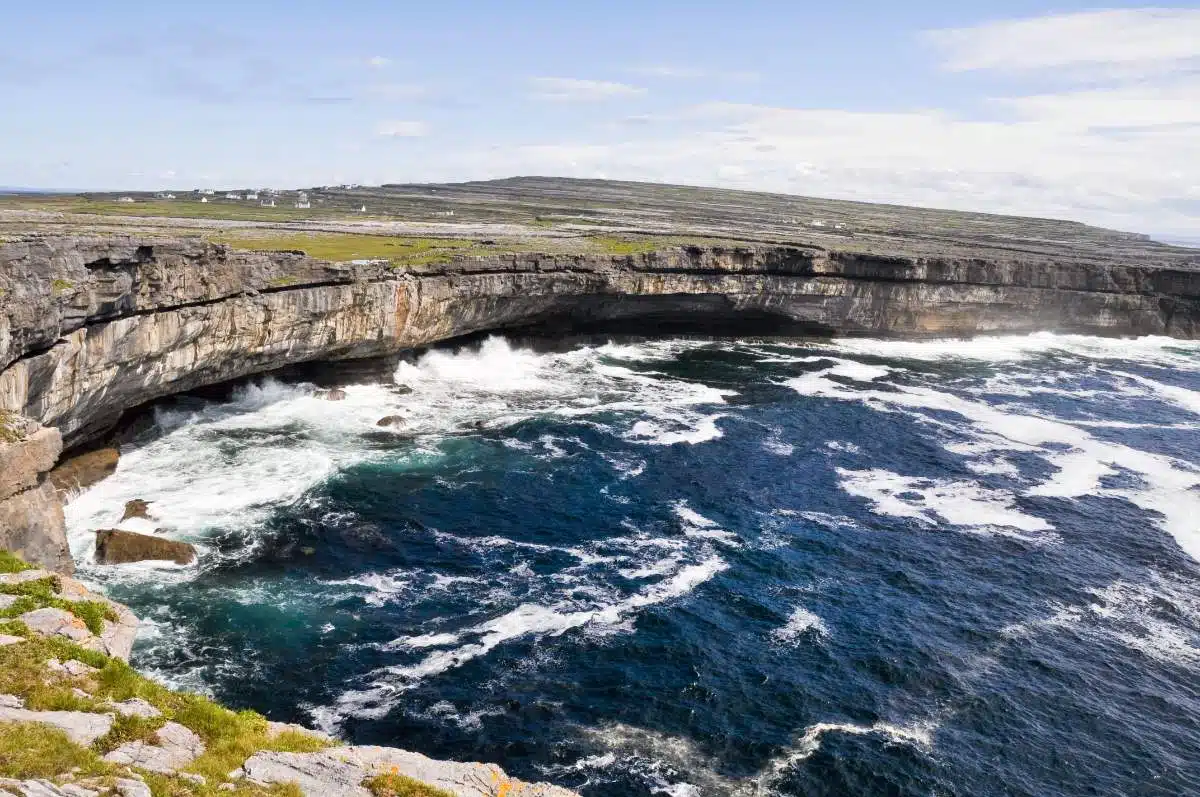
x=703 y=567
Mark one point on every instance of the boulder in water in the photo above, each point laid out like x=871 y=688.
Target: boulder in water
x=402 y=390
x=335 y=394
x=137 y=508
x=115 y=547
x=391 y=420
x=84 y=470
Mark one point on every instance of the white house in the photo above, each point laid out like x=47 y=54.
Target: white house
x=252 y=195
x=267 y=203
x=204 y=199
x=363 y=209
x=232 y=195
x=126 y=200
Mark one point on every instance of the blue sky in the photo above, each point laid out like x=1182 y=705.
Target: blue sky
x=1010 y=107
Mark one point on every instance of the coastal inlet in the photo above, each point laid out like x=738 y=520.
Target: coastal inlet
x=700 y=567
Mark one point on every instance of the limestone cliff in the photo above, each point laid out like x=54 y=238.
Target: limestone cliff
x=31 y=514
x=92 y=326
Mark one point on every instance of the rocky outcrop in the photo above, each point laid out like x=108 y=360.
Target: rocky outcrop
x=31 y=514
x=117 y=547
x=341 y=771
x=116 y=631
x=83 y=470
x=92 y=326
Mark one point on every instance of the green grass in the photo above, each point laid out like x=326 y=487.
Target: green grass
x=186 y=208
x=60 y=286
x=393 y=784
x=43 y=593
x=11 y=563
x=626 y=246
x=342 y=247
x=230 y=736
x=30 y=750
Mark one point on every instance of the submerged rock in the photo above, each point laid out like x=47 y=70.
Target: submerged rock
x=116 y=547
x=82 y=471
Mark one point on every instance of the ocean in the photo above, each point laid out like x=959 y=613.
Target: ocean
x=701 y=567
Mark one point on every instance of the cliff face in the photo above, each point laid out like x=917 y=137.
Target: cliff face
x=92 y=326
x=31 y=514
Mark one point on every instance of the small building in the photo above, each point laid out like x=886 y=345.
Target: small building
x=253 y=195
x=204 y=199
x=232 y=195
x=363 y=209
x=164 y=195
x=303 y=205
x=267 y=203
x=127 y=200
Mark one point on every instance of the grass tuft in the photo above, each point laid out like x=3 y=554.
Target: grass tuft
x=393 y=784
x=10 y=562
x=43 y=593
x=126 y=729
x=31 y=750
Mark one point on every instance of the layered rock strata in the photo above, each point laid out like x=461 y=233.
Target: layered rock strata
x=92 y=326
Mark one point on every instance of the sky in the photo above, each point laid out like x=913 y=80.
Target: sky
x=1021 y=107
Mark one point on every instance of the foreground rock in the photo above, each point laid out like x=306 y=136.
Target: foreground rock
x=340 y=772
x=81 y=727
x=116 y=637
x=172 y=748
x=32 y=524
x=116 y=547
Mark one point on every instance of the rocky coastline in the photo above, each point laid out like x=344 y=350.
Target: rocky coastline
x=94 y=326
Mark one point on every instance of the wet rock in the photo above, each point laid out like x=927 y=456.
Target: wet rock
x=137 y=508
x=336 y=394
x=402 y=390
x=81 y=727
x=175 y=747
x=116 y=546
x=396 y=421
x=83 y=470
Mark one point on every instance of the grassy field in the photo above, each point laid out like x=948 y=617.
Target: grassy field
x=338 y=247
x=410 y=251
x=178 y=209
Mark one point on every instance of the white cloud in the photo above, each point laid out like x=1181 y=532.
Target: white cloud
x=1036 y=166
x=1144 y=105
x=378 y=61
x=571 y=89
x=691 y=73
x=409 y=129
x=1127 y=39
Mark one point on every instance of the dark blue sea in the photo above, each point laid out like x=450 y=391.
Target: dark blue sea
x=687 y=567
